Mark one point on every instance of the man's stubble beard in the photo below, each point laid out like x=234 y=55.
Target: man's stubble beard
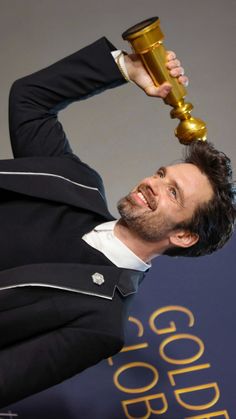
x=147 y=224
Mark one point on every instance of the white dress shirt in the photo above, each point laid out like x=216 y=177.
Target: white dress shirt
x=103 y=239
x=118 y=56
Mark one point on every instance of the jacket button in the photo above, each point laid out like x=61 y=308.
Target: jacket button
x=98 y=278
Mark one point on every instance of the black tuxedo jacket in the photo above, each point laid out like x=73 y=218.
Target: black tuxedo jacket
x=60 y=180
x=45 y=167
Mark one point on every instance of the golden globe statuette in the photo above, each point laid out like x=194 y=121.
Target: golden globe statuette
x=146 y=39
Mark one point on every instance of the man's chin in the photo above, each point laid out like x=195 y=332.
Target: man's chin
x=128 y=211
x=124 y=206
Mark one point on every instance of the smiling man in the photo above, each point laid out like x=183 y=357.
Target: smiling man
x=69 y=269
x=154 y=211
x=186 y=209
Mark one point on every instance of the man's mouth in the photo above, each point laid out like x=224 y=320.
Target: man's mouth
x=145 y=198
x=141 y=198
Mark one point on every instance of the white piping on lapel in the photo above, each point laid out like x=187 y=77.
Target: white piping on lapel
x=50 y=174
x=57 y=287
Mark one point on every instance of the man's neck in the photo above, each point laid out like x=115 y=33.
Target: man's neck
x=142 y=248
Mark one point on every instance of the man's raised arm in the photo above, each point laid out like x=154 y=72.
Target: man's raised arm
x=36 y=99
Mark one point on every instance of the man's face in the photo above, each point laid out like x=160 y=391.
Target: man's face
x=160 y=202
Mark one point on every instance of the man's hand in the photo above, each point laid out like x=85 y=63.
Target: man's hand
x=139 y=75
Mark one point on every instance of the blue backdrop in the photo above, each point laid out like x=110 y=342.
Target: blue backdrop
x=179 y=359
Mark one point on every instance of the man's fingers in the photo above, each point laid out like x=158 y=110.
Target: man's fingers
x=184 y=80
x=177 y=72
x=170 y=55
x=161 y=91
x=164 y=90
x=173 y=64
x=175 y=68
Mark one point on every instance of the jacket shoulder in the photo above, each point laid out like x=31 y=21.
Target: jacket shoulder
x=69 y=166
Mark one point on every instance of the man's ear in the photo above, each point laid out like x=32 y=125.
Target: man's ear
x=183 y=238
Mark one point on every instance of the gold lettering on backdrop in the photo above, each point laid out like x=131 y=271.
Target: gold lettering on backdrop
x=146 y=400
x=156 y=325
x=172 y=326
x=184 y=370
x=135 y=365
x=132 y=347
x=138 y=324
x=218 y=414
x=128 y=349
x=211 y=403
x=178 y=337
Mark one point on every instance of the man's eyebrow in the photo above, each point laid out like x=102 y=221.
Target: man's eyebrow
x=177 y=186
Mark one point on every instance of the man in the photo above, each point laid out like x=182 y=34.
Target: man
x=69 y=270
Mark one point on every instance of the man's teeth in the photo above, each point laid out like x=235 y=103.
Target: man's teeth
x=142 y=197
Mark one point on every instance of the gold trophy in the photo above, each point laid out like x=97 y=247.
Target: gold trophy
x=146 y=39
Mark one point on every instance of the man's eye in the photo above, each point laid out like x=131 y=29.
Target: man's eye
x=173 y=192
x=161 y=173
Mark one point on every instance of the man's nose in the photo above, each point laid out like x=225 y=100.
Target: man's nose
x=153 y=182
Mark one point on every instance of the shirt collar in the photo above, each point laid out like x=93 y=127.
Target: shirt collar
x=116 y=250
x=103 y=239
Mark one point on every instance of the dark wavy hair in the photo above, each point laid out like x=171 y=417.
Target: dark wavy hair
x=213 y=221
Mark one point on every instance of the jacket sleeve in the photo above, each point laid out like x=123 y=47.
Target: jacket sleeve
x=35 y=100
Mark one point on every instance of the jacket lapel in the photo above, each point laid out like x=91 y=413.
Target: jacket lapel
x=80 y=278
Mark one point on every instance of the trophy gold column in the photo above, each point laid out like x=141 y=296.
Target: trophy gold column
x=146 y=39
